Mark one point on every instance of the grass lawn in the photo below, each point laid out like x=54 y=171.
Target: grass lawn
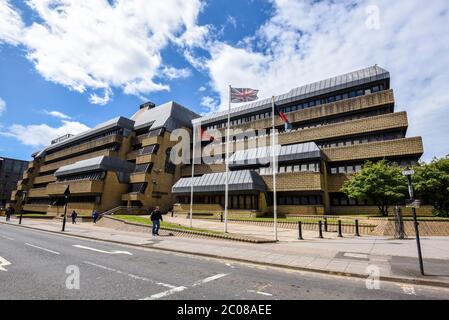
x=290 y=219
x=147 y=221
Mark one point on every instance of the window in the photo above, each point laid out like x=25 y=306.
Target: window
x=149 y=149
x=138 y=187
x=143 y=168
x=93 y=176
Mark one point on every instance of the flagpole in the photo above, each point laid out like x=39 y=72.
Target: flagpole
x=227 y=164
x=193 y=176
x=273 y=148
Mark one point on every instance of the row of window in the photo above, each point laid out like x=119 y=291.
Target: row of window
x=354 y=168
x=152 y=149
x=94 y=138
x=248 y=202
x=320 y=123
x=361 y=140
x=93 y=176
x=301 y=106
x=143 y=168
x=153 y=133
x=303 y=167
x=313 y=200
x=138 y=187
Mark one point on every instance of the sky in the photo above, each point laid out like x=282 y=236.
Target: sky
x=68 y=65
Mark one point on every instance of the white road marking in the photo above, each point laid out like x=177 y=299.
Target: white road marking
x=102 y=251
x=261 y=293
x=7 y=238
x=182 y=288
x=3 y=264
x=410 y=290
x=209 y=279
x=356 y=255
x=133 y=276
x=43 y=249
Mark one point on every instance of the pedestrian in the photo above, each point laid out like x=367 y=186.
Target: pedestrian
x=95 y=216
x=156 y=218
x=8 y=213
x=74 y=216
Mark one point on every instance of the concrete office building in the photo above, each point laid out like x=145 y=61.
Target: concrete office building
x=338 y=124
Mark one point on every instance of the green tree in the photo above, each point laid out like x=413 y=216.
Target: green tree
x=379 y=182
x=431 y=182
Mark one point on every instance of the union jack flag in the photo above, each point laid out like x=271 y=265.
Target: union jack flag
x=239 y=95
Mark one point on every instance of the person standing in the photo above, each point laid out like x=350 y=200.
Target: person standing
x=74 y=216
x=156 y=218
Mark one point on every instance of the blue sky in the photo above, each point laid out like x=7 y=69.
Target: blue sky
x=68 y=65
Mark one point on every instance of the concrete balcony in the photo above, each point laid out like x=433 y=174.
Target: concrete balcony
x=412 y=147
x=201 y=169
x=109 y=140
x=56 y=165
x=133 y=197
x=76 y=187
x=145 y=159
x=393 y=121
x=148 y=141
x=13 y=195
x=45 y=179
x=42 y=208
x=296 y=181
x=139 y=177
x=359 y=103
x=37 y=193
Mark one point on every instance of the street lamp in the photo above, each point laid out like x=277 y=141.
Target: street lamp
x=409 y=173
x=66 y=200
x=24 y=194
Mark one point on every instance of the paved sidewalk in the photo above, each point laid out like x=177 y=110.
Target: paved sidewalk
x=394 y=259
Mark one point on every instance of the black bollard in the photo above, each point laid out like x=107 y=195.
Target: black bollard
x=300 y=231
x=221 y=217
x=340 y=234
x=325 y=225
x=357 y=233
x=320 y=229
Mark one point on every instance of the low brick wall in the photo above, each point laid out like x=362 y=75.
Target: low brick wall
x=432 y=228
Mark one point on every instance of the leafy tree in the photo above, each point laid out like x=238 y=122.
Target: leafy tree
x=379 y=182
x=431 y=182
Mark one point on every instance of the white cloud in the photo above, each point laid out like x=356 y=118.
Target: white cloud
x=210 y=104
x=42 y=134
x=174 y=73
x=2 y=106
x=94 y=46
x=202 y=89
x=58 y=114
x=11 y=25
x=306 y=41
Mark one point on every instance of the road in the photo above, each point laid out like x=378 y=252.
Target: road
x=40 y=265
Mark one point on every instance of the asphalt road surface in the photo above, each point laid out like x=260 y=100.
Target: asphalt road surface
x=41 y=265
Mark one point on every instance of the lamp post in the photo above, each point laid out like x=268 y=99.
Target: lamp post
x=24 y=194
x=66 y=200
x=409 y=173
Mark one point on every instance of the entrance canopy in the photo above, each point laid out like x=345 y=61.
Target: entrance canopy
x=215 y=182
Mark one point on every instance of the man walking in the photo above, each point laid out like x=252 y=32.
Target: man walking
x=8 y=213
x=95 y=216
x=74 y=216
x=156 y=218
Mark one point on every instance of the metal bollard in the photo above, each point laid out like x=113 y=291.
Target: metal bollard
x=300 y=231
x=325 y=225
x=357 y=233
x=340 y=234
x=221 y=217
x=320 y=229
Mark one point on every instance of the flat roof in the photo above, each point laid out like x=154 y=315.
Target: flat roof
x=102 y=163
x=244 y=180
x=264 y=155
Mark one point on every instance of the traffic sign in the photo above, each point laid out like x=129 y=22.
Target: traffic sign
x=408 y=172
